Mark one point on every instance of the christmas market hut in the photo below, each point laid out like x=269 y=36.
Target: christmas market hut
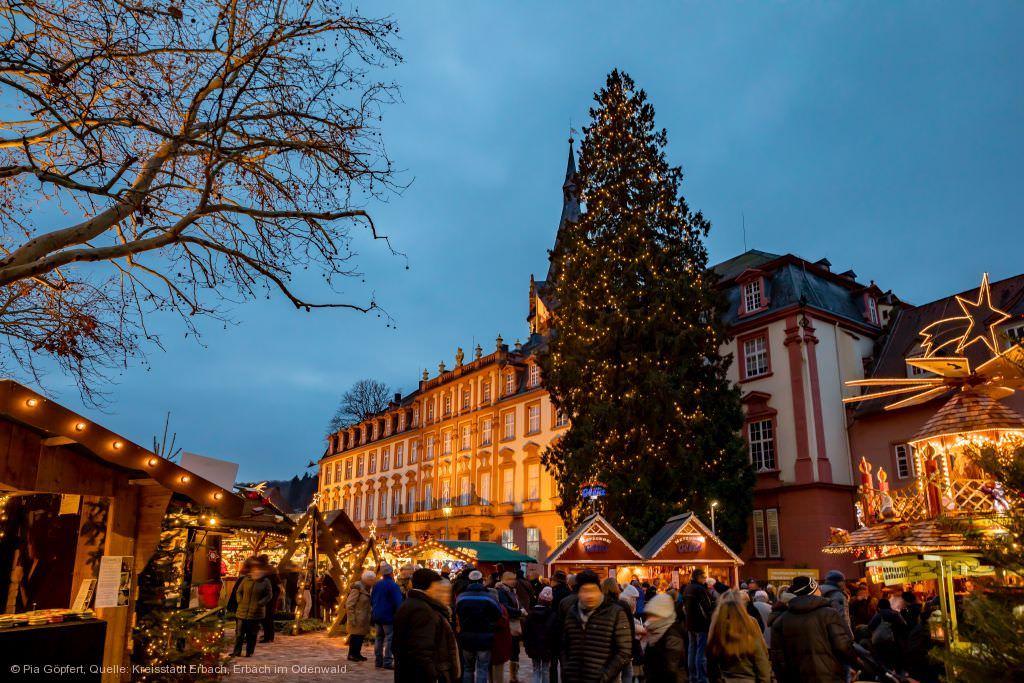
x=682 y=545
x=927 y=537
x=455 y=554
x=83 y=512
x=594 y=545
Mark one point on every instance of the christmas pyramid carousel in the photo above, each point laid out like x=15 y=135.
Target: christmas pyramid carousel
x=928 y=530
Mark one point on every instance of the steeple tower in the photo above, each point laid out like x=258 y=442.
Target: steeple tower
x=570 y=200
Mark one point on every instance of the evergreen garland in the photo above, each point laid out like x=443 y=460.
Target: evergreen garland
x=634 y=360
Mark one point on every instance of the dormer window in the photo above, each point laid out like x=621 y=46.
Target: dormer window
x=510 y=383
x=534 y=375
x=752 y=296
x=871 y=307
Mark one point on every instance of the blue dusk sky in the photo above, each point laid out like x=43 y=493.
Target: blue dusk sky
x=884 y=136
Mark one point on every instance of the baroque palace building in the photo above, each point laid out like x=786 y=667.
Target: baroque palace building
x=459 y=457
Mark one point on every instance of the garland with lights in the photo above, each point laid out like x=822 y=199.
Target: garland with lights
x=169 y=641
x=635 y=356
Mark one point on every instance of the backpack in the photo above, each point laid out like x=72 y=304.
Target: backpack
x=883 y=634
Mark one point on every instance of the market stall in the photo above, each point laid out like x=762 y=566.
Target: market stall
x=453 y=555
x=594 y=545
x=926 y=537
x=81 y=515
x=682 y=545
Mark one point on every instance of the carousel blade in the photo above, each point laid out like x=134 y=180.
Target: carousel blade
x=1008 y=364
x=996 y=391
x=890 y=392
x=943 y=367
x=916 y=400
x=894 y=382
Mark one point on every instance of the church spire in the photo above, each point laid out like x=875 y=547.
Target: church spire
x=570 y=201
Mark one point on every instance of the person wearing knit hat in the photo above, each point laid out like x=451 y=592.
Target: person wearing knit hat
x=386 y=598
x=538 y=628
x=479 y=618
x=546 y=595
x=833 y=589
x=809 y=640
x=665 y=657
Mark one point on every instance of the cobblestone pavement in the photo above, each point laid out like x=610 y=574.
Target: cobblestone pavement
x=314 y=658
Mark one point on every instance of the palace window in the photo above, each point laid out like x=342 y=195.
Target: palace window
x=447 y=404
x=485 y=488
x=761 y=437
x=327 y=475
x=533 y=481
x=372 y=466
x=383 y=511
x=486 y=391
x=904 y=460
x=464 y=492
x=466 y=438
x=755 y=357
x=465 y=399
x=766 y=533
x=534 y=375
x=337 y=471
x=561 y=419
x=359 y=466
x=401 y=421
x=415 y=416
x=348 y=468
x=533 y=541
x=399 y=452
x=533 y=419
x=396 y=502
x=357 y=507
x=446 y=493
x=385 y=459
x=369 y=507
x=508 y=485
x=428 y=496
x=387 y=425
x=446 y=442
x=410 y=500
x=510 y=382
x=508 y=425
x=508 y=539
x=485 y=432
x=752 y=299
x=414 y=452
x=430 y=447
x=376 y=429
x=430 y=411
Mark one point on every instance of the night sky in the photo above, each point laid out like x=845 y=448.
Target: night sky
x=884 y=136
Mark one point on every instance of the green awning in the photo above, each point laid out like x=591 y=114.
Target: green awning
x=489 y=552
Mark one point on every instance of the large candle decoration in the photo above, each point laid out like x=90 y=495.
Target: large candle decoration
x=931 y=477
x=866 y=486
x=885 y=502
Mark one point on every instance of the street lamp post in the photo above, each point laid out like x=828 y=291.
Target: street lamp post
x=447 y=510
x=714 y=504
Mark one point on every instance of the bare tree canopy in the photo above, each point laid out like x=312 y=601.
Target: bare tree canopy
x=174 y=157
x=364 y=399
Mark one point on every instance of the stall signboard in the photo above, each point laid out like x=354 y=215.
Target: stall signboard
x=688 y=543
x=596 y=539
x=787 y=574
x=592 y=490
x=114 y=585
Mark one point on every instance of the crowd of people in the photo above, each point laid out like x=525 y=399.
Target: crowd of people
x=476 y=626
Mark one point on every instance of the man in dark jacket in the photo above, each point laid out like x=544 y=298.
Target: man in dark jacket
x=424 y=643
x=595 y=644
x=833 y=589
x=477 y=615
x=810 y=641
x=275 y=586
x=252 y=597
x=386 y=598
x=697 y=606
x=560 y=591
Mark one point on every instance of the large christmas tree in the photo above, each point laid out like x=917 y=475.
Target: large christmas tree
x=635 y=357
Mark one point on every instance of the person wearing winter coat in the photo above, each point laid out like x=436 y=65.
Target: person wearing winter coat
x=252 y=596
x=275 y=585
x=359 y=614
x=833 y=589
x=810 y=641
x=424 y=643
x=888 y=635
x=697 y=606
x=385 y=599
x=508 y=597
x=764 y=609
x=736 y=650
x=665 y=656
x=595 y=642
x=477 y=615
x=537 y=632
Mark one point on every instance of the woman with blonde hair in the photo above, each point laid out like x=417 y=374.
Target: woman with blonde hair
x=736 y=649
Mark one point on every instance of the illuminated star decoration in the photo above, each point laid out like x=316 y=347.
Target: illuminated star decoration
x=978 y=313
x=999 y=376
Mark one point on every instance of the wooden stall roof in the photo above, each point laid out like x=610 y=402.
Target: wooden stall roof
x=342 y=527
x=433 y=545
x=487 y=551
x=672 y=542
x=63 y=427
x=596 y=528
x=968 y=411
x=931 y=534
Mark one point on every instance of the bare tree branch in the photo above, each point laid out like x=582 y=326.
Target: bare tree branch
x=364 y=399
x=166 y=157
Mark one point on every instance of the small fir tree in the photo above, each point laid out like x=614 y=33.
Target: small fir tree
x=635 y=360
